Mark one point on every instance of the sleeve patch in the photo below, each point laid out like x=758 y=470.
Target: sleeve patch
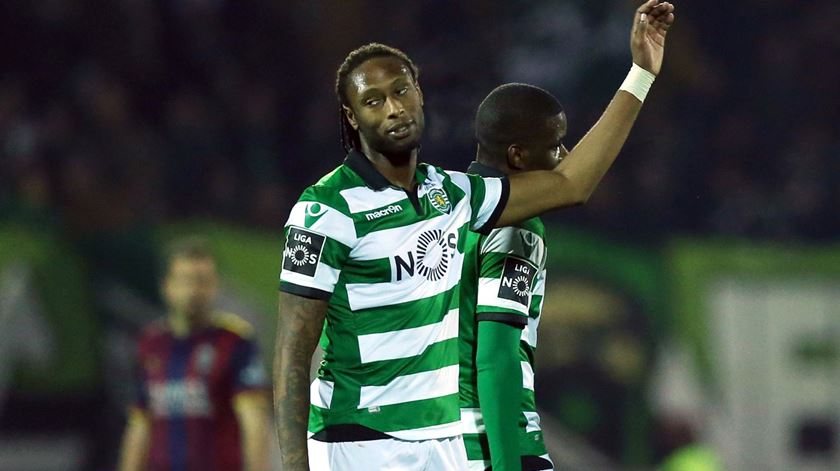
x=303 y=251
x=517 y=280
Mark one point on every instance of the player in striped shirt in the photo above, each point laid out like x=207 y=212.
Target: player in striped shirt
x=519 y=128
x=201 y=391
x=372 y=266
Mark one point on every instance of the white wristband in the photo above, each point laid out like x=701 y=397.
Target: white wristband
x=638 y=82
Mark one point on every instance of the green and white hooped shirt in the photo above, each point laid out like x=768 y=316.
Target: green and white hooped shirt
x=503 y=279
x=388 y=261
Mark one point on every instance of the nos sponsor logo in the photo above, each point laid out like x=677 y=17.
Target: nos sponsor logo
x=517 y=278
x=302 y=252
x=430 y=259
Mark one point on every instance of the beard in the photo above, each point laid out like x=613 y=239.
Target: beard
x=397 y=151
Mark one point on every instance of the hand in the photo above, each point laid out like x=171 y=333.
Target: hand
x=647 y=39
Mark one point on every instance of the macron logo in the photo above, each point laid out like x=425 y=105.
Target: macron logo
x=393 y=209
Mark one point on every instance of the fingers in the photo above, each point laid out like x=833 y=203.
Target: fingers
x=641 y=17
x=646 y=7
x=660 y=11
x=661 y=16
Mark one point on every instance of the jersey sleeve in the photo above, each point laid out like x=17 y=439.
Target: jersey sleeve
x=318 y=242
x=507 y=273
x=488 y=198
x=247 y=367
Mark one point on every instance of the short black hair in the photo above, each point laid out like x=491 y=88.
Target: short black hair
x=513 y=113
x=349 y=136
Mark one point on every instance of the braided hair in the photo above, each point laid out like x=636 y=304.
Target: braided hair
x=349 y=136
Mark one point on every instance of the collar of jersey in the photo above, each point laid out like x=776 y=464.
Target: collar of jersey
x=360 y=164
x=484 y=170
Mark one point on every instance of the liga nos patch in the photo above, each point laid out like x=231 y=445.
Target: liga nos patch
x=517 y=278
x=303 y=251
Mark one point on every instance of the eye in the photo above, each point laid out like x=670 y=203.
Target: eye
x=371 y=102
x=402 y=91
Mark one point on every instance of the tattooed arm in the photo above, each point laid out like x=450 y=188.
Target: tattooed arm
x=298 y=327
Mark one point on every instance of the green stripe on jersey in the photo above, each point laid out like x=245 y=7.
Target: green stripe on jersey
x=391 y=275
x=486 y=287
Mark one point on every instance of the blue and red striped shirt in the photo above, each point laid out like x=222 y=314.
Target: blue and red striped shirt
x=186 y=386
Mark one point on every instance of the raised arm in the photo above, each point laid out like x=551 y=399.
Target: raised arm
x=298 y=328
x=574 y=180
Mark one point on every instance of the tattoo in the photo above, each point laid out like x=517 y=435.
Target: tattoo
x=299 y=325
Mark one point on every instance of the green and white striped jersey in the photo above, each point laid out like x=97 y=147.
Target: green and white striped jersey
x=389 y=263
x=503 y=280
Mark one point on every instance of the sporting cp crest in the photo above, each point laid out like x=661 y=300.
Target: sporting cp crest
x=439 y=200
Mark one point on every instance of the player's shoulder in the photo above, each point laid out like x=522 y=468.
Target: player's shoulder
x=453 y=181
x=328 y=190
x=436 y=173
x=156 y=328
x=523 y=238
x=232 y=324
x=154 y=335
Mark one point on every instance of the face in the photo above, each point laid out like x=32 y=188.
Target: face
x=190 y=286
x=386 y=105
x=546 y=150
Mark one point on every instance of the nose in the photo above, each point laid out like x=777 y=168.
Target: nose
x=394 y=107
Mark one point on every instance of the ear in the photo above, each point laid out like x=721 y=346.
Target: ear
x=516 y=156
x=419 y=92
x=351 y=117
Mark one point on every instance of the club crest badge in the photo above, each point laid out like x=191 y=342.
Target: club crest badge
x=439 y=200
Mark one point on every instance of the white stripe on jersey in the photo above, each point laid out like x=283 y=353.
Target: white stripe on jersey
x=325 y=278
x=539 y=285
x=413 y=387
x=517 y=241
x=407 y=342
x=399 y=240
x=412 y=288
x=529 y=333
x=320 y=393
x=533 y=422
x=492 y=193
x=361 y=198
x=527 y=375
x=326 y=221
x=488 y=295
x=472 y=420
x=449 y=429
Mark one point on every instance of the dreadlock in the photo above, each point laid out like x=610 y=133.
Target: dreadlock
x=349 y=136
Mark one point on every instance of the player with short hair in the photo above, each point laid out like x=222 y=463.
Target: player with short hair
x=201 y=391
x=372 y=266
x=519 y=128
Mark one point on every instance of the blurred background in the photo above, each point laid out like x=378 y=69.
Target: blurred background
x=693 y=310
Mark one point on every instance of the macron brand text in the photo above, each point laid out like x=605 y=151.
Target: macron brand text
x=392 y=209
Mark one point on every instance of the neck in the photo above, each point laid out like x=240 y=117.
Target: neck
x=183 y=325
x=489 y=160
x=396 y=168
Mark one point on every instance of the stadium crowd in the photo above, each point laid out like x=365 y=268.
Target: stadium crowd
x=118 y=116
x=116 y=113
